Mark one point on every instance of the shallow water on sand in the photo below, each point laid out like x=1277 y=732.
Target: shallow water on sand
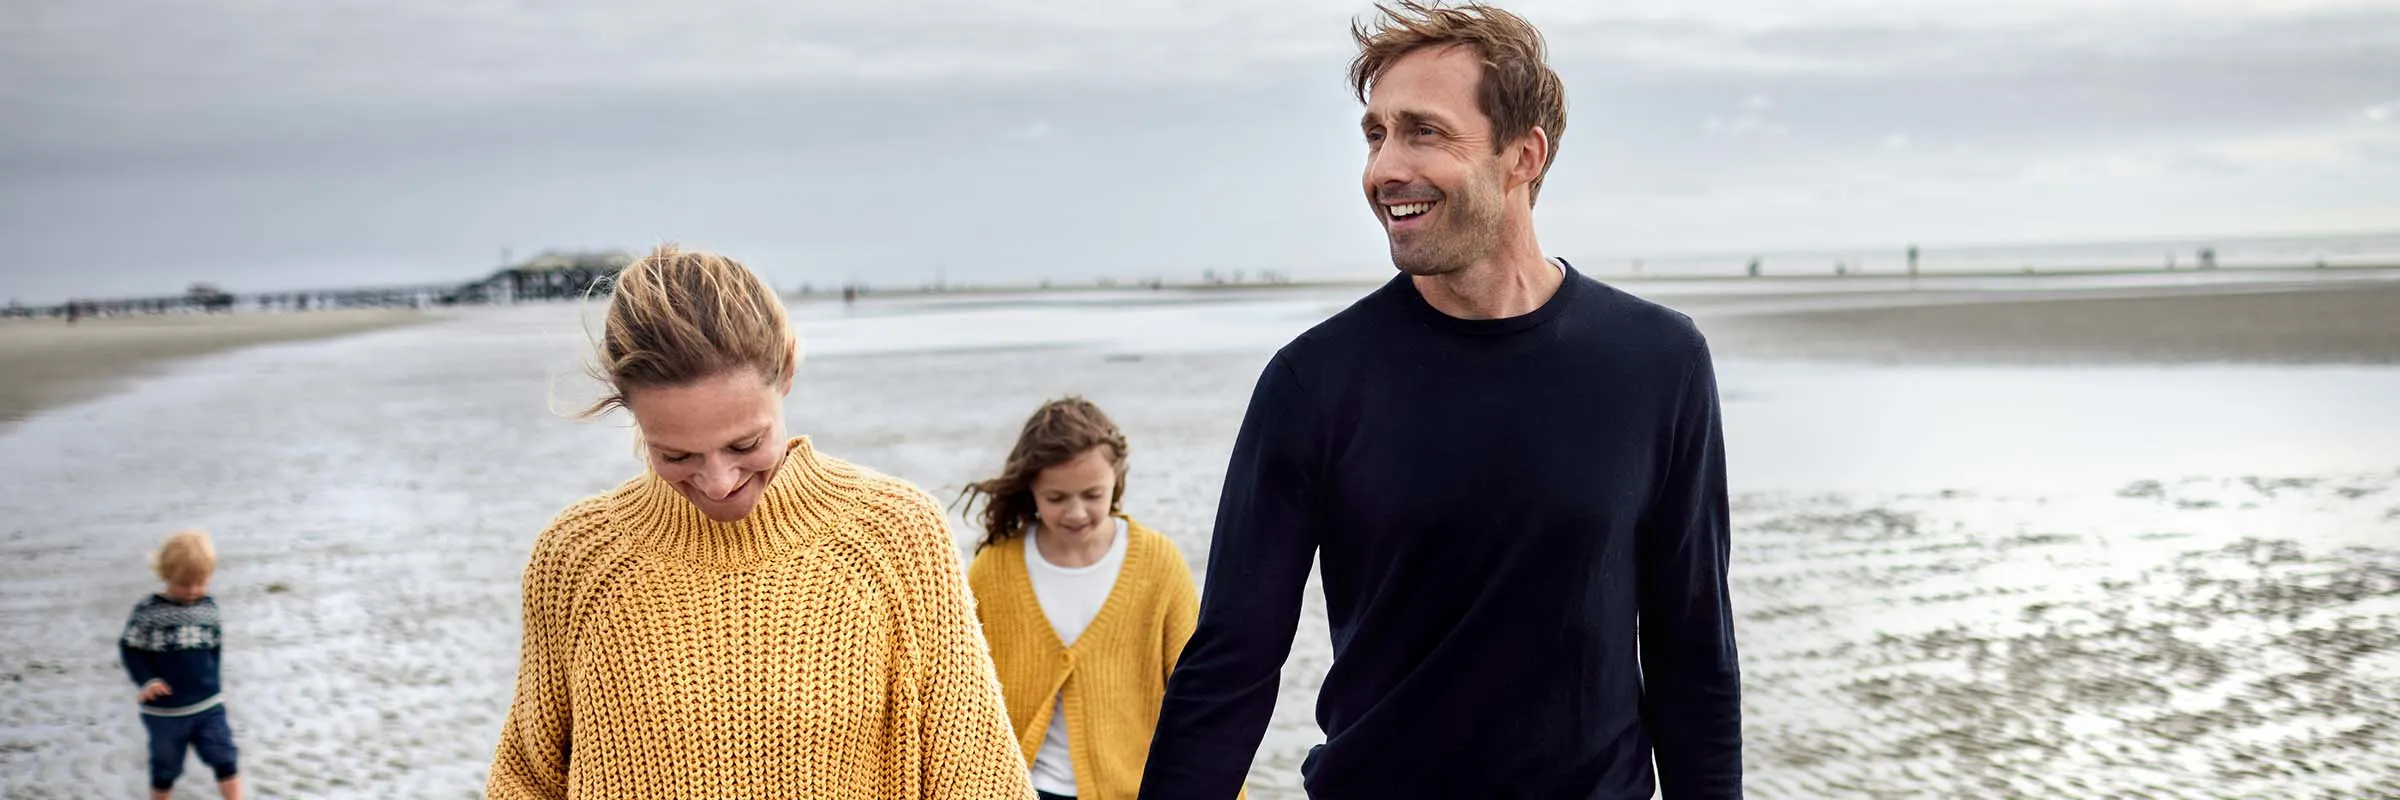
x=1952 y=581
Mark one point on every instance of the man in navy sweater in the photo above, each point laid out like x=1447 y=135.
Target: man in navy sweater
x=1512 y=477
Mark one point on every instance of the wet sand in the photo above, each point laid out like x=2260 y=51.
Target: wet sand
x=2189 y=638
x=45 y=363
x=2303 y=324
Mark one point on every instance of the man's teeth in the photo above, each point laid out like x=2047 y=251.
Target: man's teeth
x=1410 y=210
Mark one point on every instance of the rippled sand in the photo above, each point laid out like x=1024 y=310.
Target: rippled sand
x=48 y=362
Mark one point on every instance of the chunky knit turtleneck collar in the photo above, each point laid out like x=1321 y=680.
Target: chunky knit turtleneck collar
x=797 y=506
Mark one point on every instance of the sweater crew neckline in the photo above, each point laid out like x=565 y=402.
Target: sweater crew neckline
x=1548 y=310
x=793 y=509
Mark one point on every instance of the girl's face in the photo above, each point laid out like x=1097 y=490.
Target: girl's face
x=1073 y=498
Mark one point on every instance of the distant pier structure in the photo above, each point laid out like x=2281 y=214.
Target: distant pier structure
x=554 y=275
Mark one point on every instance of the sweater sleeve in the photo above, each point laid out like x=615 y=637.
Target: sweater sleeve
x=1182 y=608
x=984 y=586
x=969 y=749
x=1223 y=691
x=137 y=660
x=1691 y=693
x=1183 y=614
x=531 y=761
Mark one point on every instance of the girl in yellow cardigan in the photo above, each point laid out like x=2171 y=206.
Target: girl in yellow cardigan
x=749 y=617
x=1086 y=610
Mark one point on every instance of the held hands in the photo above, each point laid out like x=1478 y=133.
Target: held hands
x=155 y=689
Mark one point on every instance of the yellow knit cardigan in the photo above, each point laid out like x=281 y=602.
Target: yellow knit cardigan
x=1115 y=675
x=822 y=647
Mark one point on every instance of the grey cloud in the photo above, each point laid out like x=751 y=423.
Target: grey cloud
x=816 y=185
x=1974 y=98
x=262 y=144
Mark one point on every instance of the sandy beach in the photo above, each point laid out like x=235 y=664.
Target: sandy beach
x=2280 y=324
x=49 y=362
x=1989 y=542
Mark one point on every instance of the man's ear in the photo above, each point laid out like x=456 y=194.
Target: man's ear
x=1533 y=155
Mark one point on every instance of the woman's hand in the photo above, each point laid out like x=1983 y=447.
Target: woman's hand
x=155 y=689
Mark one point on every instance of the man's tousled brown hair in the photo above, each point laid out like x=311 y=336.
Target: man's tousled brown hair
x=1519 y=91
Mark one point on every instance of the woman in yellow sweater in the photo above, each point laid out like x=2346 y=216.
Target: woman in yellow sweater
x=749 y=617
x=1086 y=610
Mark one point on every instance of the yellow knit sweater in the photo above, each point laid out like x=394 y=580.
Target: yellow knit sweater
x=823 y=647
x=1115 y=675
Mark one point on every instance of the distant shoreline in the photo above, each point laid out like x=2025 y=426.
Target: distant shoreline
x=46 y=363
x=2346 y=322
x=1878 y=318
x=834 y=294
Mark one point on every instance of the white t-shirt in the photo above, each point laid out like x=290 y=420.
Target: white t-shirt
x=1070 y=598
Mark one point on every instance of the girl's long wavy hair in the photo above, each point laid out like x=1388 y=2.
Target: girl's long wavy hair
x=1058 y=432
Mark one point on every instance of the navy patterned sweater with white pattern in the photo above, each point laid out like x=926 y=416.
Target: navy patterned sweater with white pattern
x=177 y=643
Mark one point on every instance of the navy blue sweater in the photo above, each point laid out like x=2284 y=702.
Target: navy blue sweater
x=1521 y=528
x=177 y=643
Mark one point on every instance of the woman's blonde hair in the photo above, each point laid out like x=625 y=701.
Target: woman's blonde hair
x=186 y=557
x=678 y=316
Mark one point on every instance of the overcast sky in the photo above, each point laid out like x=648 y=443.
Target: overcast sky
x=261 y=144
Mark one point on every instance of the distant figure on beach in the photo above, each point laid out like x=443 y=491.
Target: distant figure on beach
x=748 y=618
x=171 y=648
x=74 y=311
x=1085 y=608
x=1753 y=266
x=1912 y=261
x=1510 y=476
